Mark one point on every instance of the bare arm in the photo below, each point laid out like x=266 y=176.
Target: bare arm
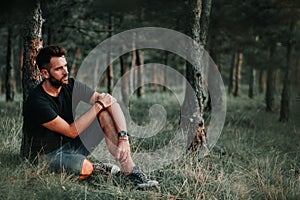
x=111 y=104
x=78 y=126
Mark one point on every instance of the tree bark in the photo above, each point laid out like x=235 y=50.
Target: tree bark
x=9 y=75
x=216 y=59
x=155 y=77
x=18 y=66
x=237 y=89
x=31 y=76
x=297 y=73
x=124 y=79
x=32 y=43
x=163 y=72
x=109 y=72
x=231 y=83
x=271 y=83
x=1 y=80
x=74 y=67
x=140 y=72
x=285 y=95
x=252 y=73
x=204 y=21
x=195 y=123
x=261 y=81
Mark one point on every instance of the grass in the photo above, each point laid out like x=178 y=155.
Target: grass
x=256 y=157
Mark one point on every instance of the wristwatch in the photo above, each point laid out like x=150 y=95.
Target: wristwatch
x=123 y=134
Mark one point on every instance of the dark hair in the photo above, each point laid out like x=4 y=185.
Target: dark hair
x=46 y=53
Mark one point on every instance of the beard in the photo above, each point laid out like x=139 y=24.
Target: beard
x=57 y=82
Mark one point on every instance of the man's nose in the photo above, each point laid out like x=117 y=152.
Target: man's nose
x=66 y=70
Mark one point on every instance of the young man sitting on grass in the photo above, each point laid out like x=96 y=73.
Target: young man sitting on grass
x=56 y=137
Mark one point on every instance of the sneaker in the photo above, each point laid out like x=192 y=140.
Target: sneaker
x=139 y=178
x=107 y=167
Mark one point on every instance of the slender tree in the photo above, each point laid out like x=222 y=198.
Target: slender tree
x=231 y=83
x=261 y=81
x=124 y=78
x=9 y=75
x=139 y=61
x=237 y=75
x=163 y=75
x=285 y=95
x=271 y=82
x=252 y=73
x=109 y=72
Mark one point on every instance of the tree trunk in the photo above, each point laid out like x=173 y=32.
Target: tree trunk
x=31 y=76
x=1 y=79
x=204 y=21
x=124 y=79
x=297 y=73
x=18 y=67
x=271 y=82
x=140 y=72
x=231 y=83
x=155 y=77
x=237 y=89
x=285 y=95
x=195 y=76
x=109 y=72
x=251 y=82
x=216 y=59
x=74 y=67
x=261 y=81
x=163 y=72
x=9 y=75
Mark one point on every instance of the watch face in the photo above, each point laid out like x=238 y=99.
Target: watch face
x=122 y=133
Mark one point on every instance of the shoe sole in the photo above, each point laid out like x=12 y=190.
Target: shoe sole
x=151 y=183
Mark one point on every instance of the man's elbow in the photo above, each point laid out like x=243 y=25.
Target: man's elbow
x=73 y=133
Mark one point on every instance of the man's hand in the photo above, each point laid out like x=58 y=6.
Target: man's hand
x=123 y=151
x=106 y=99
x=98 y=107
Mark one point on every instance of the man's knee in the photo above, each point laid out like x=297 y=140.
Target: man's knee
x=87 y=169
x=105 y=119
x=106 y=100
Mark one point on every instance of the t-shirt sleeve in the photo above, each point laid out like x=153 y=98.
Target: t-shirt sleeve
x=42 y=111
x=82 y=92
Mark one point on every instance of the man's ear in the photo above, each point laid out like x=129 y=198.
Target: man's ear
x=44 y=73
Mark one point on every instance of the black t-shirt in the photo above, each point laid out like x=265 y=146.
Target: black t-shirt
x=41 y=107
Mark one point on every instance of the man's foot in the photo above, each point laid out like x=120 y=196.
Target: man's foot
x=139 y=178
x=107 y=167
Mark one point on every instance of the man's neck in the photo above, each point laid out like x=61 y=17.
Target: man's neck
x=51 y=90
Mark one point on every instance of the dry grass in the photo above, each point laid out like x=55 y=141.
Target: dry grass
x=256 y=157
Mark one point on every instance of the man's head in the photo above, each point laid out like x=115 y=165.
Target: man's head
x=52 y=64
x=45 y=54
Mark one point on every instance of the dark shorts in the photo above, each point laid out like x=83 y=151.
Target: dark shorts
x=69 y=157
x=66 y=158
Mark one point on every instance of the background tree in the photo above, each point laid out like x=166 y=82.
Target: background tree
x=291 y=16
x=9 y=75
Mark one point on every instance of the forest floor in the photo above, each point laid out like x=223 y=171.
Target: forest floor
x=256 y=157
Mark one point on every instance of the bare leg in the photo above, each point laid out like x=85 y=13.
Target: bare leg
x=118 y=117
x=112 y=141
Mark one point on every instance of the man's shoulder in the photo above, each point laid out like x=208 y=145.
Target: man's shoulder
x=36 y=94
